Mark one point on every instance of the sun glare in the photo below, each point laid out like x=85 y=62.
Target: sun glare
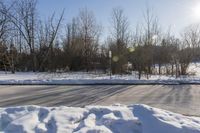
x=196 y=12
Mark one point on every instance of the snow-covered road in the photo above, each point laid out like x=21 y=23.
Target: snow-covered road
x=184 y=99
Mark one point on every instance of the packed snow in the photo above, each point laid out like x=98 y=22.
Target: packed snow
x=97 y=78
x=95 y=119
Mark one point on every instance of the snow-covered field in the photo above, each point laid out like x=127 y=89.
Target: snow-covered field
x=92 y=78
x=95 y=119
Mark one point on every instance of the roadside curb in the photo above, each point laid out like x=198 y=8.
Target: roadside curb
x=102 y=82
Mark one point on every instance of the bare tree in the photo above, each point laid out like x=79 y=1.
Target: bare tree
x=23 y=17
x=151 y=34
x=119 y=39
x=5 y=37
x=72 y=44
x=47 y=39
x=89 y=32
x=189 y=47
x=3 y=21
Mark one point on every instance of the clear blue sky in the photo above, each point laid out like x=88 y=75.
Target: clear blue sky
x=175 y=13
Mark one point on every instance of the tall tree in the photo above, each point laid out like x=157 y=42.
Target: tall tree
x=119 y=39
x=89 y=33
x=23 y=17
x=151 y=34
x=47 y=42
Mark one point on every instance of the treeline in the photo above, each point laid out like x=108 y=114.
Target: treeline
x=28 y=43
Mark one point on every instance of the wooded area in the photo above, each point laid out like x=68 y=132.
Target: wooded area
x=29 y=43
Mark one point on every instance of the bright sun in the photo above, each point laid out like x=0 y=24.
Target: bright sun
x=196 y=12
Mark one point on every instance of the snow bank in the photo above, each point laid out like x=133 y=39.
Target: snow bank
x=95 y=119
x=159 y=121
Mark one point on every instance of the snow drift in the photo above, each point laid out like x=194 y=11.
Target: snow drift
x=95 y=119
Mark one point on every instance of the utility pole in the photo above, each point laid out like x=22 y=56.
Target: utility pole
x=110 y=57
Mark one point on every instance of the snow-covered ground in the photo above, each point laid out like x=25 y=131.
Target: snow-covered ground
x=95 y=119
x=92 y=78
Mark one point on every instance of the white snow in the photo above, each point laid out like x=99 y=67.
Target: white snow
x=97 y=78
x=95 y=119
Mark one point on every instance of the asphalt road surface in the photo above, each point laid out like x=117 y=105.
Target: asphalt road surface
x=184 y=99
